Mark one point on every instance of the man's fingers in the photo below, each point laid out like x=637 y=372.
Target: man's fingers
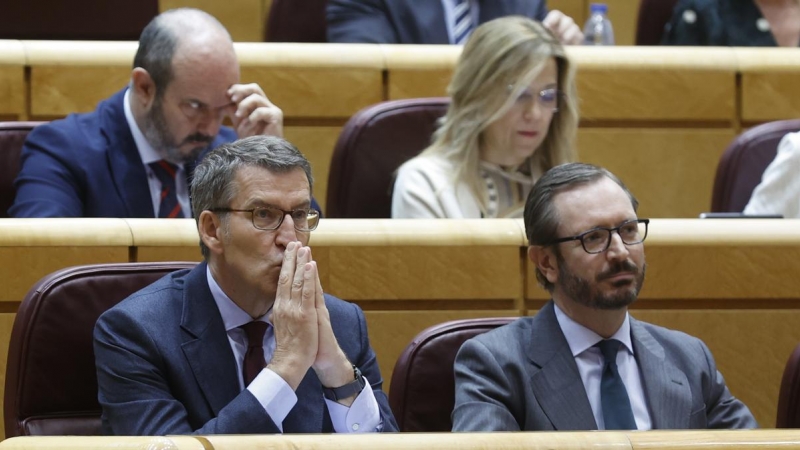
x=309 y=286
x=299 y=274
x=287 y=272
x=238 y=92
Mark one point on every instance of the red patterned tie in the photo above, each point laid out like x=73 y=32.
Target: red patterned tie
x=254 y=356
x=165 y=172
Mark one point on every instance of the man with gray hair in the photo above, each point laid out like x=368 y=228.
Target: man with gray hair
x=246 y=342
x=582 y=363
x=133 y=155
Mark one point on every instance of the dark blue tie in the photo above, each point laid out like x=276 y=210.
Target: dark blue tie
x=617 y=412
x=165 y=172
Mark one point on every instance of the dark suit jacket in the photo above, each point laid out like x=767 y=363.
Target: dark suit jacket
x=411 y=21
x=522 y=376
x=86 y=165
x=165 y=366
x=717 y=23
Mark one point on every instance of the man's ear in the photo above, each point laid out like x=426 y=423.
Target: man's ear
x=211 y=232
x=545 y=259
x=143 y=87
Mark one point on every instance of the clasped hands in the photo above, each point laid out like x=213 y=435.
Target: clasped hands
x=303 y=333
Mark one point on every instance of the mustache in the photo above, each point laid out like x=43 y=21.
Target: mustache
x=198 y=137
x=621 y=267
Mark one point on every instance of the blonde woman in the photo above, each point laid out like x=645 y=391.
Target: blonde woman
x=512 y=116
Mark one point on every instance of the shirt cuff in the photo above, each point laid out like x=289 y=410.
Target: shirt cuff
x=363 y=416
x=274 y=394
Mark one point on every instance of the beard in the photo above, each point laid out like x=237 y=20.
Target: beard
x=163 y=141
x=587 y=293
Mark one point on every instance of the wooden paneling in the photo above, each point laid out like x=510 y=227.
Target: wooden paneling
x=634 y=84
x=12 y=79
x=68 y=77
x=244 y=19
x=316 y=143
x=670 y=171
x=33 y=248
x=311 y=80
x=419 y=71
x=769 y=87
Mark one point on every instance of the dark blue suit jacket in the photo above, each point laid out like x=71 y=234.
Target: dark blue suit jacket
x=411 y=21
x=165 y=366
x=87 y=165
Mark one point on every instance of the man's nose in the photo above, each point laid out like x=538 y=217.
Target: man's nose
x=616 y=248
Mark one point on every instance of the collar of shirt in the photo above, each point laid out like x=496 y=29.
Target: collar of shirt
x=581 y=338
x=146 y=151
x=232 y=315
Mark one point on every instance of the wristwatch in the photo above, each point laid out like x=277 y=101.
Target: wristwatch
x=349 y=389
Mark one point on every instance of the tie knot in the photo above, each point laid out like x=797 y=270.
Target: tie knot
x=255 y=333
x=609 y=349
x=164 y=170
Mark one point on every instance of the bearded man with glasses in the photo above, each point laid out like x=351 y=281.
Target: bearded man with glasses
x=246 y=342
x=583 y=363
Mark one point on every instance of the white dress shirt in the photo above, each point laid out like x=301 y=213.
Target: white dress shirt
x=150 y=155
x=272 y=391
x=449 y=6
x=590 y=363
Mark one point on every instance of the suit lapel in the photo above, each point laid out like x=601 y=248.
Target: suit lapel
x=555 y=379
x=493 y=9
x=666 y=388
x=124 y=163
x=206 y=345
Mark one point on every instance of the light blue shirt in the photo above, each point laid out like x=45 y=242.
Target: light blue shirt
x=150 y=155
x=590 y=363
x=449 y=19
x=272 y=391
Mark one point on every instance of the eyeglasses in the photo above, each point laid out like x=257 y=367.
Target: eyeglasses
x=598 y=239
x=548 y=98
x=269 y=218
x=194 y=109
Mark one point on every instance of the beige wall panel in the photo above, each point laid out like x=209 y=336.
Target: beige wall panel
x=24 y=266
x=671 y=172
x=244 y=19
x=561 y=440
x=12 y=90
x=655 y=94
x=419 y=71
x=155 y=254
x=410 y=83
x=770 y=96
x=318 y=92
x=6 y=324
x=317 y=145
x=751 y=362
x=61 y=90
x=12 y=78
x=391 y=331
x=757 y=273
x=623 y=15
x=430 y=272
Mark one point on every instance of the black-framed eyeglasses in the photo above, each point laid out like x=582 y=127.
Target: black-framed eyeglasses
x=269 y=218
x=598 y=239
x=549 y=99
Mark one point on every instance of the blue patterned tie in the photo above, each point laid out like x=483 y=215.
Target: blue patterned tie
x=617 y=412
x=165 y=172
x=462 y=22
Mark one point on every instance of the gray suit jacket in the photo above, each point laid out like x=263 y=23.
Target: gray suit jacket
x=522 y=376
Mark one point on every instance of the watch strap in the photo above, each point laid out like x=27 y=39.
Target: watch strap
x=349 y=389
